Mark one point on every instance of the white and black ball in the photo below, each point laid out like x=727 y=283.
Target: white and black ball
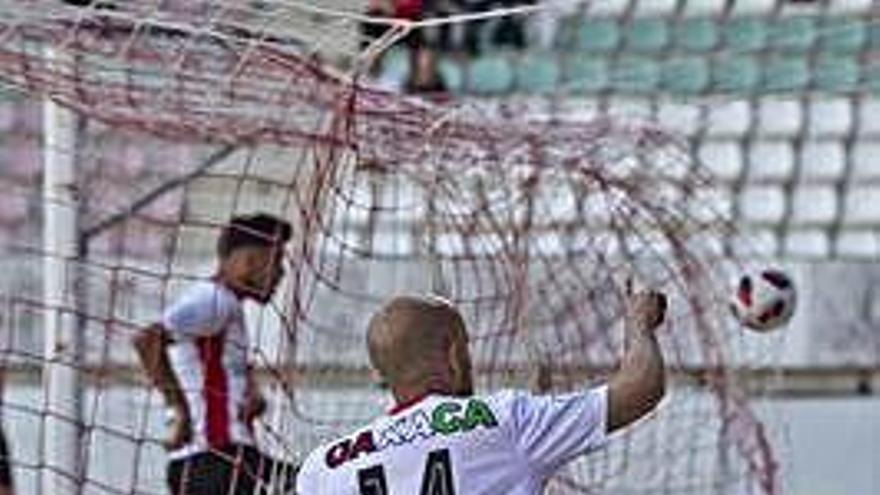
x=764 y=300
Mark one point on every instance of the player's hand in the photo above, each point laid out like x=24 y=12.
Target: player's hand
x=253 y=407
x=179 y=428
x=645 y=310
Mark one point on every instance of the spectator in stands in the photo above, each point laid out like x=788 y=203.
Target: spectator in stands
x=400 y=9
x=424 y=43
x=409 y=9
x=371 y=31
x=507 y=31
x=424 y=75
x=197 y=357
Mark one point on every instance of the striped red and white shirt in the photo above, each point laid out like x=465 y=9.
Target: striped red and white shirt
x=208 y=354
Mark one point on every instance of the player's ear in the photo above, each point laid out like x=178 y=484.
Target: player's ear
x=457 y=346
x=460 y=365
x=451 y=365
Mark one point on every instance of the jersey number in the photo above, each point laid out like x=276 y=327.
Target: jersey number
x=436 y=480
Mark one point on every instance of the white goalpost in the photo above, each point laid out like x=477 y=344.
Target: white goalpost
x=62 y=385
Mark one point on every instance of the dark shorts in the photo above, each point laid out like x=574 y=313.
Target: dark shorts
x=233 y=470
x=5 y=463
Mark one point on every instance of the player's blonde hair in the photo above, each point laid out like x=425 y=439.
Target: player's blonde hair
x=409 y=338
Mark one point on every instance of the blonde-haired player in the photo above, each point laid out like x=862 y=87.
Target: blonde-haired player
x=441 y=439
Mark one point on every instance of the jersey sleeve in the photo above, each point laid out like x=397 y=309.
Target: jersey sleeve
x=200 y=312
x=306 y=483
x=551 y=430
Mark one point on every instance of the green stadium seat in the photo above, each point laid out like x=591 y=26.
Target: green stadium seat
x=395 y=63
x=565 y=34
x=452 y=73
x=585 y=73
x=9 y=95
x=843 y=34
x=685 y=76
x=835 y=73
x=795 y=33
x=745 y=34
x=646 y=34
x=786 y=74
x=873 y=36
x=697 y=34
x=537 y=72
x=736 y=74
x=593 y=35
x=598 y=35
x=871 y=76
x=633 y=74
x=490 y=74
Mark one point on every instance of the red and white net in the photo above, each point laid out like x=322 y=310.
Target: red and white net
x=529 y=223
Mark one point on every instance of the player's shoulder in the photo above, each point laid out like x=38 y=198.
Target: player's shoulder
x=207 y=292
x=507 y=400
x=515 y=405
x=331 y=454
x=310 y=466
x=339 y=450
x=308 y=474
x=200 y=302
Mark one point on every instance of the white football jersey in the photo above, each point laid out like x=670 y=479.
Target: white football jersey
x=507 y=443
x=208 y=354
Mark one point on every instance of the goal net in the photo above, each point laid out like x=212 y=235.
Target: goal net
x=528 y=209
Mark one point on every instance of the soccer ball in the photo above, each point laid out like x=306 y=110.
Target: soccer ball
x=764 y=300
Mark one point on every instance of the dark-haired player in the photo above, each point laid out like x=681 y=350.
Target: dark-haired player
x=197 y=357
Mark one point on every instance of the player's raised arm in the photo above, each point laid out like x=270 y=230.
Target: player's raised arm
x=151 y=345
x=637 y=387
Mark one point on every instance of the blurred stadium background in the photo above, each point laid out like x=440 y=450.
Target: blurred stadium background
x=779 y=102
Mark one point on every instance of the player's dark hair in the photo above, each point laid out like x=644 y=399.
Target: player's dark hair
x=260 y=229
